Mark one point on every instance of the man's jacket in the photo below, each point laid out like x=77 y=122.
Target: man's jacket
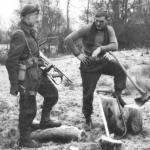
x=19 y=52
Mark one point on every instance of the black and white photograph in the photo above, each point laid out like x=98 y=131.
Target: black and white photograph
x=75 y=74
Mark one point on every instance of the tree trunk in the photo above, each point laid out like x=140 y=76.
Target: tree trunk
x=132 y=115
x=63 y=134
x=116 y=10
x=87 y=15
x=68 y=19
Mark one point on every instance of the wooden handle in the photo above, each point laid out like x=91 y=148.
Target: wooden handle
x=141 y=91
x=104 y=118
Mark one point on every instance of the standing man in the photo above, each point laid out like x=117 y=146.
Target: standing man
x=97 y=39
x=26 y=77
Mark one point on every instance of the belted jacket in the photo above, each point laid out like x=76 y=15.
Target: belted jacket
x=19 y=52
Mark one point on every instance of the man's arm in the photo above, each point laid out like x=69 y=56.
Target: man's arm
x=17 y=45
x=113 y=45
x=71 y=38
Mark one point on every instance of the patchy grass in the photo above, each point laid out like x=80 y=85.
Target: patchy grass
x=68 y=108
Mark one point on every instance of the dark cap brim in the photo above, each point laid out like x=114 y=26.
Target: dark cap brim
x=29 y=9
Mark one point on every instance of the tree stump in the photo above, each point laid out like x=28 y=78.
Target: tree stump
x=133 y=117
x=63 y=134
x=113 y=115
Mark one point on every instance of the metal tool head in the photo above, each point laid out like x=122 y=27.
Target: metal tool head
x=109 y=143
x=111 y=140
x=140 y=101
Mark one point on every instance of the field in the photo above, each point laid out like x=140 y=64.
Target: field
x=68 y=109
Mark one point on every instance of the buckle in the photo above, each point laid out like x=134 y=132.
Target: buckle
x=22 y=89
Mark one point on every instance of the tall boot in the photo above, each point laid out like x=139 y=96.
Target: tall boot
x=46 y=122
x=117 y=95
x=26 y=141
x=88 y=123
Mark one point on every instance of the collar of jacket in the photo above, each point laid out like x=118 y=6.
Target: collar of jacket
x=26 y=28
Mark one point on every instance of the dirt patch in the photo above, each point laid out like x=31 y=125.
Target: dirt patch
x=68 y=109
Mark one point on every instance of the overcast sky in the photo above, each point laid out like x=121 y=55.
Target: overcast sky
x=7 y=8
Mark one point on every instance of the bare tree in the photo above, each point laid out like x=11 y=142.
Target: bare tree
x=68 y=19
x=57 y=2
x=52 y=18
x=87 y=15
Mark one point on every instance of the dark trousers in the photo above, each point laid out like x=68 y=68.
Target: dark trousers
x=90 y=77
x=28 y=107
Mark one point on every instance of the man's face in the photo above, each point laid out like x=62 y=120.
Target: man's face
x=32 y=19
x=100 y=22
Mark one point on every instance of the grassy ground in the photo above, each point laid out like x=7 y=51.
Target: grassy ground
x=68 y=109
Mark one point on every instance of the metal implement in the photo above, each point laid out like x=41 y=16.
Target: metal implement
x=47 y=40
x=144 y=96
x=104 y=118
x=120 y=109
x=49 y=66
x=107 y=138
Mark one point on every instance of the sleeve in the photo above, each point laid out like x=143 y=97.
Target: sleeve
x=113 y=43
x=73 y=37
x=17 y=45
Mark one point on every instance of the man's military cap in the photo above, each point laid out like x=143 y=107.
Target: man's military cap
x=28 y=9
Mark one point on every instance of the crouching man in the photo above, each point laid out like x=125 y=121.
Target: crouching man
x=97 y=38
x=26 y=77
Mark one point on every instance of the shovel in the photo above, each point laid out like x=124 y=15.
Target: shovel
x=106 y=141
x=144 y=96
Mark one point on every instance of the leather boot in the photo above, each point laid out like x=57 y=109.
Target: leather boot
x=49 y=124
x=26 y=141
x=88 y=125
x=46 y=122
x=29 y=143
x=118 y=96
x=35 y=126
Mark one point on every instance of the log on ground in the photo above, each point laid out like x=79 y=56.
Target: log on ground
x=63 y=134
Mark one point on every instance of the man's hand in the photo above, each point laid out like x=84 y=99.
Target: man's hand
x=47 y=68
x=14 y=93
x=96 y=52
x=83 y=58
x=108 y=57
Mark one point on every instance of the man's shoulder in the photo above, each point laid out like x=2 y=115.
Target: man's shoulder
x=86 y=27
x=83 y=30
x=18 y=33
x=110 y=28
